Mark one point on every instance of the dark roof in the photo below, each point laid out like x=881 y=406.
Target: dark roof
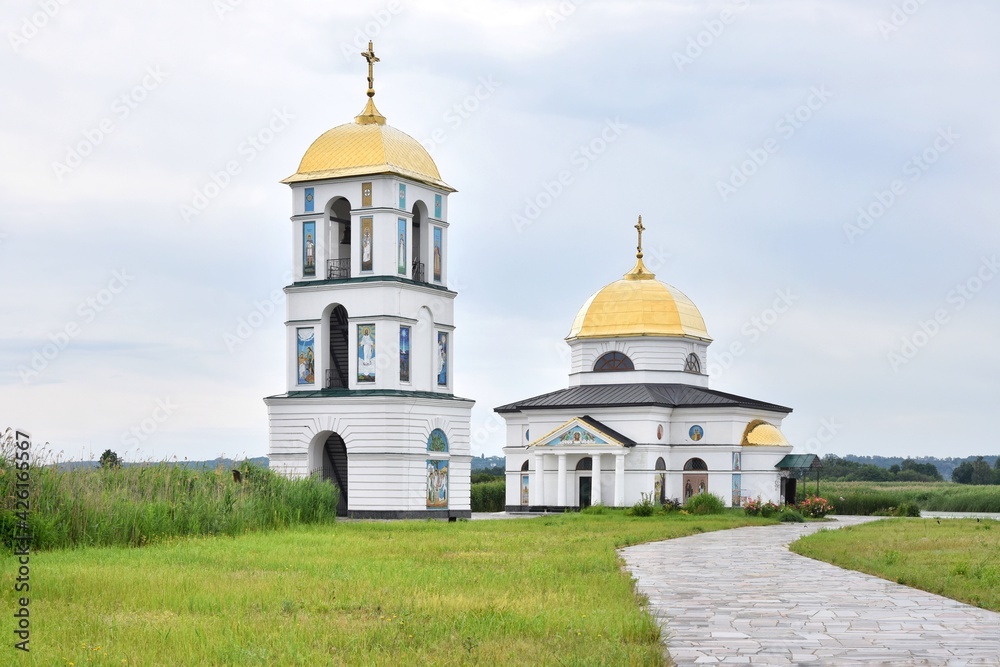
x=607 y=430
x=361 y=393
x=626 y=395
x=799 y=461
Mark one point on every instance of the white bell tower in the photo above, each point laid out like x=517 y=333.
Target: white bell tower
x=370 y=328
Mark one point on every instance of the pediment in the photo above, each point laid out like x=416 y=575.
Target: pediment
x=578 y=433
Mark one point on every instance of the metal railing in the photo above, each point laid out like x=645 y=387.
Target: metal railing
x=419 y=272
x=338 y=268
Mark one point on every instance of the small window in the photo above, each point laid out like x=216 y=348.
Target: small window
x=693 y=364
x=524 y=467
x=695 y=464
x=613 y=361
x=661 y=464
x=586 y=463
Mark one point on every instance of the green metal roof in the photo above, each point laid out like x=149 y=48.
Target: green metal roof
x=799 y=461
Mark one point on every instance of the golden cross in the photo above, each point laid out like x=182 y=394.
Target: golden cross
x=369 y=55
x=640 y=228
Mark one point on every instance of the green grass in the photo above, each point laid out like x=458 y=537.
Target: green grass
x=959 y=559
x=548 y=590
x=870 y=497
x=138 y=505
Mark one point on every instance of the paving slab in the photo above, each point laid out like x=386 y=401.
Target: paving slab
x=732 y=595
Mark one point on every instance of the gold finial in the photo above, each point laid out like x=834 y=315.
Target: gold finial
x=369 y=55
x=640 y=228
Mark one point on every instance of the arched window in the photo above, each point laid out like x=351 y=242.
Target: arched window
x=695 y=464
x=524 y=467
x=586 y=463
x=437 y=441
x=613 y=361
x=692 y=364
x=660 y=464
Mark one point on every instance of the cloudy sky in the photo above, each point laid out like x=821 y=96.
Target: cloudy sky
x=819 y=177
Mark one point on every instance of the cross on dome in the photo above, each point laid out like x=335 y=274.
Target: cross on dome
x=370 y=56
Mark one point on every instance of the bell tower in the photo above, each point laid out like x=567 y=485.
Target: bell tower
x=370 y=335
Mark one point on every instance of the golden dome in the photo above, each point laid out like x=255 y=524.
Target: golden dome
x=638 y=305
x=762 y=434
x=367 y=147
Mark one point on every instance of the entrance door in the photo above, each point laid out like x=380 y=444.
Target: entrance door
x=335 y=468
x=584 y=492
x=694 y=484
x=789 y=483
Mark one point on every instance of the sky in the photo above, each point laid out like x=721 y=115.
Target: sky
x=818 y=177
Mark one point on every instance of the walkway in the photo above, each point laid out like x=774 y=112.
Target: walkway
x=739 y=596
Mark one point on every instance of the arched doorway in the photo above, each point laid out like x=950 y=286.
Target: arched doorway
x=335 y=468
x=337 y=373
x=695 y=478
x=338 y=240
x=660 y=483
x=586 y=464
x=418 y=237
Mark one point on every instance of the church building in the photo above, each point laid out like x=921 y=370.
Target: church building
x=639 y=417
x=370 y=334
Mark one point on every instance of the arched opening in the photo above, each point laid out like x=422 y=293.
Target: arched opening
x=695 y=464
x=585 y=482
x=339 y=348
x=419 y=235
x=524 y=467
x=335 y=468
x=586 y=463
x=613 y=361
x=338 y=240
x=660 y=482
x=692 y=364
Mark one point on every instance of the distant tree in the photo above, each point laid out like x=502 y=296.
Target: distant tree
x=962 y=474
x=110 y=460
x=894 y=469
x=928 y=470
x=981 y=472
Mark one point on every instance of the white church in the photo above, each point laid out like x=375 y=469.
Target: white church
x=370 y=333
x=638 y=416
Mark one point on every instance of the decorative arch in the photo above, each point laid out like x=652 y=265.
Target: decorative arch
x=586 y=463
x=437 y=442
x=695 y=464
x=613 y=361
x=692 y=364
x=329 y=460
x=660 y=464
x=524 y=467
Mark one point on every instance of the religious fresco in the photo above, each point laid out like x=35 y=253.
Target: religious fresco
x=366 y=353
x=305 y=348
x=737 y=490
x=366 y=194
x=737 y=460
x=402 y=196
x=310 y=200
x=367 y=247
x=437 y=254
x=437 y=484
x=659 y=488
x=437 y=206
x=442 y=359
x=524 y=489
x=659 y=431
x=401 y=246
x=696 y=433
x=437 y=441
x=404 y=354
x=309 y=248
x=577 y=436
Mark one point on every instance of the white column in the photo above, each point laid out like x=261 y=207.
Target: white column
x=539 y=486
x=595 y=482
x=619 y=480
x=561 y=482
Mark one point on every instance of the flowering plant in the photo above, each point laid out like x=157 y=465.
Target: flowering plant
x=815 y=507
x=757 y=507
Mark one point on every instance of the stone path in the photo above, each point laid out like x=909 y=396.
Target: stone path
x=739 y=596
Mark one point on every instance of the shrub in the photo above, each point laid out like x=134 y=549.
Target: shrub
x=672 y=505
x=907 y=509
x=645 y=506
x=789 y=515
x=489 y=496
x=705 y=503
x=815 y=507
x=756 y=507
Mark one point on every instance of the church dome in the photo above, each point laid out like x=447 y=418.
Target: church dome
x=368 y=146
x=761 y=433
x=638 y=305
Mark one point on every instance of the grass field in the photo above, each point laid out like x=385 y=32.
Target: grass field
x=530 y=591
x=959 y=559
x=870 y=497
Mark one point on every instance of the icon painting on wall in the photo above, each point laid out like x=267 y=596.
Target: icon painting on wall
x=442 y=359
x=737 y=460
x=437 y=206
x=366 y=244
x=310 y=200
x=404 y=354
x=366 y=353
x=401 y=246
x=309 y=248
x=437 y=254
x=402 y=196
x=306 y=356
x=524 y=489
x=437 y=484
x=696 y=433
